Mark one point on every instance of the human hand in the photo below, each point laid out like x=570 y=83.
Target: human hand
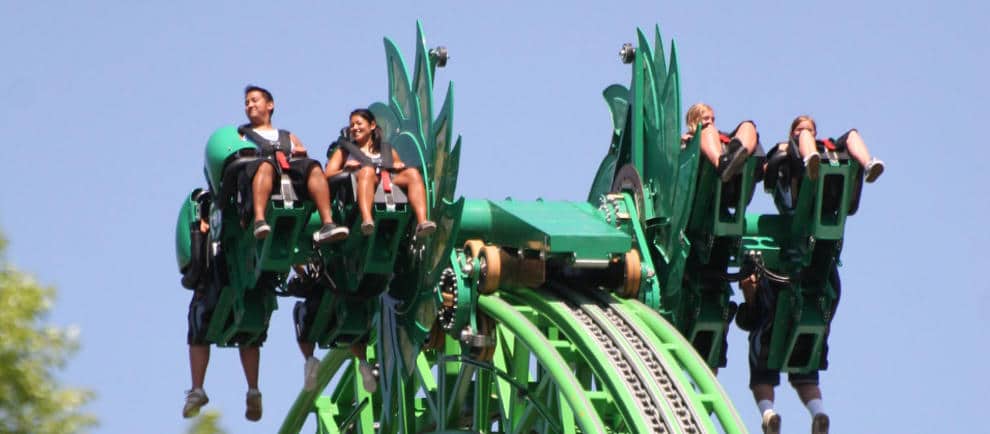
x=352 y=164
x=298 y=151
x=399 y=165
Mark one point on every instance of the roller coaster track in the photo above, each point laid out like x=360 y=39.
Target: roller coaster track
x=601 y=364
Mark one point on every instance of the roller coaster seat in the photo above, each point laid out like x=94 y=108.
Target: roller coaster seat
x=719 y=208
x=391 y=212
x=819 y=206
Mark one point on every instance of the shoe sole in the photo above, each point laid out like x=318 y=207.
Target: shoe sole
x=773 y=425
x=425 y=232
x=190 y=412
x=335 y=235
x=733 y=168
x=262 y=233
x=819 y=424
x=874 y=173
x=252 y=414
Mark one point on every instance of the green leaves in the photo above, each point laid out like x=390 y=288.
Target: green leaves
x=208 y=423
x=31 y=400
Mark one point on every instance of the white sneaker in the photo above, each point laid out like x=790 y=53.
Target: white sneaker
x=368 y=376
x=312 y=371
x=873 y=170
x=771 y=422
x=195 y=399
x=819 y=424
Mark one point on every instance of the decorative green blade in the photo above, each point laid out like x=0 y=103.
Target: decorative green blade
x=423 y=87
x=400 y=90
x=617 y=98
x=650 y=90
x=446 y=185
x=659 y=61
x=388 y=123
x=441 y=137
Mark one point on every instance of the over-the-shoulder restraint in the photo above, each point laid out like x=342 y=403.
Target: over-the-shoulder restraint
x=354 y=151
x=265 y=146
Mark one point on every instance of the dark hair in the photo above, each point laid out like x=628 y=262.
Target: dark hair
x=268 y=95
x=376 y=134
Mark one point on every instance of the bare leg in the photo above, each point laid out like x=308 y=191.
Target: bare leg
x=250 y=360
x=711 y=146
x=307 y=349
x=806 y=144
x=809 y=152
x=807 y=392
x=320 y=192
x=366 y=183
x=857 y=148
x=410 y=180
x=199 y=359
x=261 y=186
x=746 y=133
x=762 y=392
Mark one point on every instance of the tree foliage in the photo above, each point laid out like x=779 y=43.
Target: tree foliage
x=31 y=351
x=208 y=423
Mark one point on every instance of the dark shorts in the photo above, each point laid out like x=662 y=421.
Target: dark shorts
x=772 y=377
x=758 y=320
x=200 y=313
x=299 y=169
x=198 y=318
x=305 y=311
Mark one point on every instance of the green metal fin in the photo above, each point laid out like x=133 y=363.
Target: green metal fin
x=423 y=88
x=446 y=181
x=441 y=136
x=617 y=99
x=659 y=60
x=400 y=92
x=388 y=122
x=650 y=90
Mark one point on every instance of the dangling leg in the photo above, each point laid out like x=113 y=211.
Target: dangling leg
x=809 y=153
x=368 y=375
x=199 y=359
x=367 y=180
x=764 y=396
x=811 y=397
x=261 y=188
x=410 y=180
x=250 y=361
x=857 y=149
x=319 y=191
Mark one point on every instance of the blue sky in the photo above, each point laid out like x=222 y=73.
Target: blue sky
x=107 y=106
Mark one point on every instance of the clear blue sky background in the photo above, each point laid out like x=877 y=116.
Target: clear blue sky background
x=107 y=105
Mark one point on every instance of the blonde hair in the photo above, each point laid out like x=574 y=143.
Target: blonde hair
x=693 y=117
x=800 y=119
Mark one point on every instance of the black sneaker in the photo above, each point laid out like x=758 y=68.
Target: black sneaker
x=329 y=233
x=873 y=170
x=261 y=229
x=732 y=160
